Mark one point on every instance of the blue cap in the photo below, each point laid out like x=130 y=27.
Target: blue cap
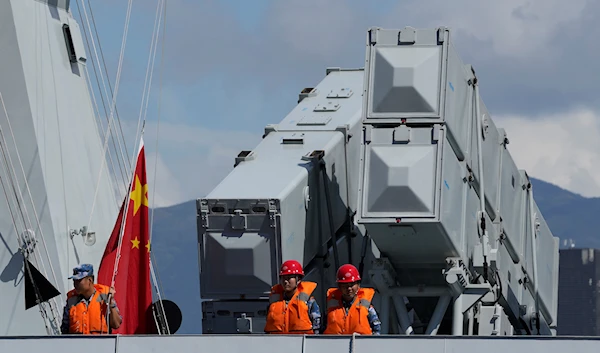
x=82 y=271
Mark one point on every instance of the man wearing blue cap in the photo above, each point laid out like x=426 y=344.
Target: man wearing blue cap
x=86 y=309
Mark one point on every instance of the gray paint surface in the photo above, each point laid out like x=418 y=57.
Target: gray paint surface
x=299 y=344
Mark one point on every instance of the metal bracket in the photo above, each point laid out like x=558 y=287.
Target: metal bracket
x=243 y=156
x=344 y=129
x=89 y=238
x=244 y=324
x=441 y=34
x=383 y=275
x=408 y=35
x=238 y=220
x=435 y=134
x=270 y=128
x=502 y=137
x=315 y=156
x=367 y=137
x=373 y=32
x=457 y=277
x=473 y=294
x=27 y=242
x=204 y=213
x=209 y=316
x=401 y=134
x=485 y=125
x=307 y=92
x=340 y=93
x=273 y=212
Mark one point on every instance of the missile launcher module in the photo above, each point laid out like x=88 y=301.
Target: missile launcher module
x=399 y=169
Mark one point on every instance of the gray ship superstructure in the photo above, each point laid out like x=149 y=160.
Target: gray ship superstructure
x=51 y=156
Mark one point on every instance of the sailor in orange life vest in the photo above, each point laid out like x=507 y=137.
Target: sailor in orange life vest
x=349 y=308
x=292 y=308
x=86 y=308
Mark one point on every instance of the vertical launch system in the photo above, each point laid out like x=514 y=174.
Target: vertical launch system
x=399 y=169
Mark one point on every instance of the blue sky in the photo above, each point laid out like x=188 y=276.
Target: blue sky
x=231 y=67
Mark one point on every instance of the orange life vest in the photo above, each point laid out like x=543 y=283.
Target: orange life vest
x=91 y=318
x=291 y=317
x=356 y=320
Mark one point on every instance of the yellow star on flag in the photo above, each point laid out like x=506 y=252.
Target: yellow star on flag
x=139 y=195
x=135 y=243
x=148 y=246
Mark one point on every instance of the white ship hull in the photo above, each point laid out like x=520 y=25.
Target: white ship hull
x=56 y=158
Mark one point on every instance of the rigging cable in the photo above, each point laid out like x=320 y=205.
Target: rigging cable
x=138 y=137
x=62 y=168
x=148 y=78
x=104 y=136
x=111 y=118
x=17 y=191
x=143 y=112
x=118 y=80
x=110 y=87
x=23 y=250
x=97 y=114
x=155 y=274
x=103 y=61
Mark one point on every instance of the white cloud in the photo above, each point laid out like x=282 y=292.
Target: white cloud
x=315 y=28
x=299 y=39
x=517 y=28
x=192 y=160
x=164 y=189
x=561 y=148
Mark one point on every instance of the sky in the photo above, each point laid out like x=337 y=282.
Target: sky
x=232 y=67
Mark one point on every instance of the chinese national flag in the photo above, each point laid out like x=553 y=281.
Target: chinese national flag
x=132 y=281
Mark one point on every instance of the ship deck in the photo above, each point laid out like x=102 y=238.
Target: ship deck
x=300 y=344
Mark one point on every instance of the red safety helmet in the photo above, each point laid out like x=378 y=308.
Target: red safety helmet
x=291 y=267
x=347 y=274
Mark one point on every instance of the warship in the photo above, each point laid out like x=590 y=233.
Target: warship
x=396 y=167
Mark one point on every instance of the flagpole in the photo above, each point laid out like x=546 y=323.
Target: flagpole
x=126 y=210
x=121 y=234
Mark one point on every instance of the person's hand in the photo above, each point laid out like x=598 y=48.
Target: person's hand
x=112 y=292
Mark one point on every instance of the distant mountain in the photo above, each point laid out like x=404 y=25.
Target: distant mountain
x=175 y=246
x=175 y=242
x=569 y=215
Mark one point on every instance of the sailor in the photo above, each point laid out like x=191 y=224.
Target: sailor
x=86 y=309
x=349 y=308
x=292 y=308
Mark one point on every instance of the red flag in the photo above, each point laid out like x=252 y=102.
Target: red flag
x=132 y=281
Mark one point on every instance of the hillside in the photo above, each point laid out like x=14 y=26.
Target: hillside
x=570 y=216
x=176 y=243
